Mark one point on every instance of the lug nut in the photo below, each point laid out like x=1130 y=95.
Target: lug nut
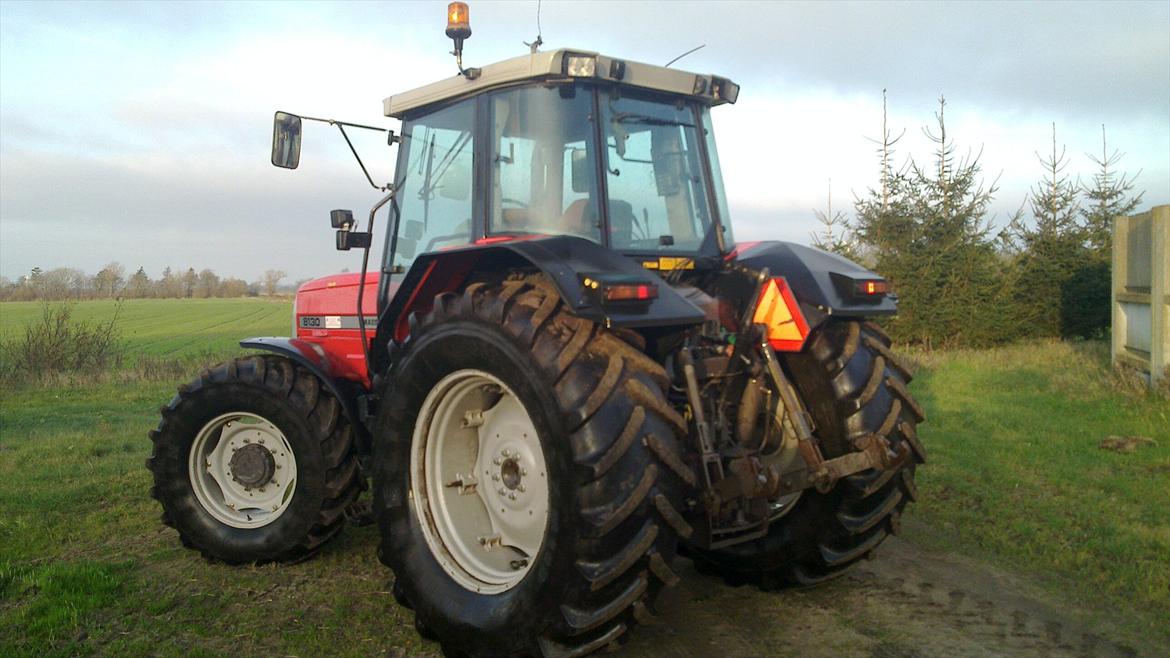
x=512 y=496
x=521 y=488
x=495 y=476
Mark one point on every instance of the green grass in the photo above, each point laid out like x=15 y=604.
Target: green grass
x=170 y=328
x=1016 y=474
x=87 y=569
x=1014 y=477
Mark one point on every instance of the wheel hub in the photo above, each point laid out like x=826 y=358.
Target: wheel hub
x=253 y=465
x=479 y=481
x=242 y=470
x=510 y=474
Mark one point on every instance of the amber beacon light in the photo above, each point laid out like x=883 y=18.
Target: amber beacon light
x=458 y=22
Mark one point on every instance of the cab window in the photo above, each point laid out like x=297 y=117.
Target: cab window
x=542 y=163
x=435 y=174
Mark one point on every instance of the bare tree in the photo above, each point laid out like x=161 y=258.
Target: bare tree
x=272 y=280
x=108 y=282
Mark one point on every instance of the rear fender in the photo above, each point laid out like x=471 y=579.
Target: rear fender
x=314 y=359
x=820 y=280
x=566 y=260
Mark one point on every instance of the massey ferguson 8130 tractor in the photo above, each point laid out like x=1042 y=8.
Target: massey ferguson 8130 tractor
x=565 y=373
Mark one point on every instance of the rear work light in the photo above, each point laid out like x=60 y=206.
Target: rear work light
x=581 y=66
x=778 y=311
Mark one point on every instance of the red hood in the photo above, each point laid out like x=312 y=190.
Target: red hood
x=346 y=280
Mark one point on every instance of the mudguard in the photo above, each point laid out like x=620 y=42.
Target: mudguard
x=314 y=359
x=566 y=260
x=819 y=279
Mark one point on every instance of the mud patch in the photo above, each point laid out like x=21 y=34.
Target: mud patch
x=907 y=602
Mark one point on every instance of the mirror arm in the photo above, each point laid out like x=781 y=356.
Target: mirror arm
x=357 y=157
x=341 y=126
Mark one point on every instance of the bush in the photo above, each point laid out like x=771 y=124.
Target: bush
x=57 y=342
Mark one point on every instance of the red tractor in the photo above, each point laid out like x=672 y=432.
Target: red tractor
x=565 y=373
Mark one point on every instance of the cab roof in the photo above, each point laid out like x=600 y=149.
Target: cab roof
x=566 y=64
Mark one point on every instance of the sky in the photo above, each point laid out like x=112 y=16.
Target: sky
x=139 y=132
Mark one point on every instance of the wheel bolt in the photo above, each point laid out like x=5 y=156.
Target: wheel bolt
x=503 y=491
x=495 y=476
x=512 y=496
x=497 y=461
x=521 y=488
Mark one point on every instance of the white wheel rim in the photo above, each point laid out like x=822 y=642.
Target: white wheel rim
x=242 y=500
x=479 y=481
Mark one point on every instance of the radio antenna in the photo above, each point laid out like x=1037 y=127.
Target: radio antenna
x=535 y=45
x=685 y=54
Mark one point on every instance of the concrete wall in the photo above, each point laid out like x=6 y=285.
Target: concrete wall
x=1141 y=291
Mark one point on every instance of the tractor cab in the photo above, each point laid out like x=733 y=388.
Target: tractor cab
x=561 y=143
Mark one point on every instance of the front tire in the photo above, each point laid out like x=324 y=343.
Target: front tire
x=605 y=439
x=253 y=462
x=854 y=387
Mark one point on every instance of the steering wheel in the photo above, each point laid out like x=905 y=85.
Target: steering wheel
x=516 y=202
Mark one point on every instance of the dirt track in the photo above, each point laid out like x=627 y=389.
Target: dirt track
x=907 y=602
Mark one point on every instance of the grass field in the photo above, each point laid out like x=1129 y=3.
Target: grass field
x=1015 y=477
x=168 y=328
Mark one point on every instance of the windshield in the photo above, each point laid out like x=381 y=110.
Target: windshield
x=655 y=177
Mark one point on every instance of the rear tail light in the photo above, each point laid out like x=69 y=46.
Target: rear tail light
x=619 y=289
x=871 y=288
x=778 y=311
x=630 y=293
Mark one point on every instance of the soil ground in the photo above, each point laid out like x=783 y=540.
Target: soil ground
x=909 y=601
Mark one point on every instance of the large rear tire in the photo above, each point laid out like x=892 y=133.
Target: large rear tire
x=253 y=462
x=854 y=387
x=590 y=434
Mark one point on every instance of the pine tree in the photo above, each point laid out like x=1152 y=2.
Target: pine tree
x=835 y=237
x=1086 y=294
x=1109 y=196
x=929 y=236
x=1052 y=249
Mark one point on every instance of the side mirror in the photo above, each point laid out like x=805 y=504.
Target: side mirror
x=286 y=140
x=580 y=174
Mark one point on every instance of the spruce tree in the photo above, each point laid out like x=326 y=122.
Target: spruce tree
x=929 y=236
x=1110 y=195
x=1086 y=294
x=835 y=236
x=1052 y=248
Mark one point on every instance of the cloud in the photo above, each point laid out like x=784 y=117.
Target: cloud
x=140 y=133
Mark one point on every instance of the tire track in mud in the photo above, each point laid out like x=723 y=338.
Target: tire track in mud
x=907 y=602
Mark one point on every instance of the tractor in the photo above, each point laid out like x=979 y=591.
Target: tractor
x=565 y=373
